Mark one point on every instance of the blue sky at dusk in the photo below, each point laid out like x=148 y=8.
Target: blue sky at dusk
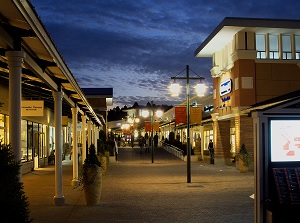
x=135 y=47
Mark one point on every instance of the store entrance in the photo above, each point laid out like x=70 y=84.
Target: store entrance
x=38 y=148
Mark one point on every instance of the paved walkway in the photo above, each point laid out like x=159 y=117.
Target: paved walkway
x=136 y=190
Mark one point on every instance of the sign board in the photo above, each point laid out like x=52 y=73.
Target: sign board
x=32 y=108
x=225 y=87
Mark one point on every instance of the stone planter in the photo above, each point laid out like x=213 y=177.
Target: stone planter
x=242 y=167
x=92 y=191
x=104 y=164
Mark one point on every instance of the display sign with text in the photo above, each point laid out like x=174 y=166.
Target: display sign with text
x=32 y=108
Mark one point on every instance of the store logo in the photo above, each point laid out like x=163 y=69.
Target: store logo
x=225 y=87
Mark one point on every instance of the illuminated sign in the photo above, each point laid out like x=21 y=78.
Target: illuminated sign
x=32 y=108
x=225 y=87
x=285 y=140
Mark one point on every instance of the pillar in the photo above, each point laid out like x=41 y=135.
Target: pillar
x=15 y=61
x=83 y=153
x=222 y=142
x=89 y=133
x=58 y=199
x=75 y=180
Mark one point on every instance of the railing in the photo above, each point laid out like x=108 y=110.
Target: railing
x=173 y=150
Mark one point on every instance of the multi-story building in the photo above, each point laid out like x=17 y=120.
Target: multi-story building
x=253 y=60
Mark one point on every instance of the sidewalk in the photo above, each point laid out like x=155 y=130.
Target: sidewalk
x=137 y=190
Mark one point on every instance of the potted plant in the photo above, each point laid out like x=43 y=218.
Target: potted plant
x=14 y=203
x=91 y=177
x=102 y=155
x=244 y=159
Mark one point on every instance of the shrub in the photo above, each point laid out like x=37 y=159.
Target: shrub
x=14 y=204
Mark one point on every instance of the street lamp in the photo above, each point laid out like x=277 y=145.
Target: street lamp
x=200 y=89
x=158 y=114
x=133 y=120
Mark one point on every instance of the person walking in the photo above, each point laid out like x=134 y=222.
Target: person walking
x=211 y=151
x=147 y=150
x=155 y=138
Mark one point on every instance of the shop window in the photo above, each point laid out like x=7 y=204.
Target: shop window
x=2 y=129
x=25 y=156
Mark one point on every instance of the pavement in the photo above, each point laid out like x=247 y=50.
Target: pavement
x=136 y=190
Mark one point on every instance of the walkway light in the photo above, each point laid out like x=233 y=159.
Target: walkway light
x=200 y=91
x=157 y=113
x=175 y=89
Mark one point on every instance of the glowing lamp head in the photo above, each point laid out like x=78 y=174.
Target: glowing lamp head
x=175 y=89
x=200 y=89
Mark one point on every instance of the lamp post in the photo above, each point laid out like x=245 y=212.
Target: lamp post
x=200 y=88
x=133 y=120
x=158 y=114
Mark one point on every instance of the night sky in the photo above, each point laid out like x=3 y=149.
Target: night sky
x=135 y=47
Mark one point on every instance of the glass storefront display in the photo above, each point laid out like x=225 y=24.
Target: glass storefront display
x=25 y=155
x=2 y=129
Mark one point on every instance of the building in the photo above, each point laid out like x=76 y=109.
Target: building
x=253 y=60
x=42 y=106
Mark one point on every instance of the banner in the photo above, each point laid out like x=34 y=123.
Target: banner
x=156 y=127
x=180 y=115
x=147 y=126
x=196 y=115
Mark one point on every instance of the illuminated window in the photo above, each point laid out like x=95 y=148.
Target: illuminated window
x=297 y=47
x=273 y=46
x=286 y=47
x=260 y=46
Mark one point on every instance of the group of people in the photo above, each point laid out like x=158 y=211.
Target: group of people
x=146 y=142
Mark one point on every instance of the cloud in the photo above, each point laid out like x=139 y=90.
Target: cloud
x=136 y=46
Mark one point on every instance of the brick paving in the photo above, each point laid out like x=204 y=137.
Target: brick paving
x=136 y=190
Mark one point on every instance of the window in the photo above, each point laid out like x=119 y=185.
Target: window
x=297 y=46
x=273 y=46
x=25 y=156
x=286 y=47
x=260 y=46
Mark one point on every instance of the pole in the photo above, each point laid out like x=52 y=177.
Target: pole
x=152 y=141
x=188 y=124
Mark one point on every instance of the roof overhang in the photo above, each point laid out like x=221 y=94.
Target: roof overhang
x=225 y=31
x=44 y=68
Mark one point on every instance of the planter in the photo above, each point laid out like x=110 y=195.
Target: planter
x=242 y=167
x=104 y=163
x=92 y=191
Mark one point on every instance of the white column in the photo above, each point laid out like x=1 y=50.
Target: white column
x=83 y=153
x=89 y=133
x=93 y=131
x=58 y=199
x=75 y=180
x=15 y=61
x=96 y=134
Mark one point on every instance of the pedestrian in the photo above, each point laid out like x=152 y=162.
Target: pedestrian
x=211 y=151
x=155 y=140
x=147 y=150
x=119 y=140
